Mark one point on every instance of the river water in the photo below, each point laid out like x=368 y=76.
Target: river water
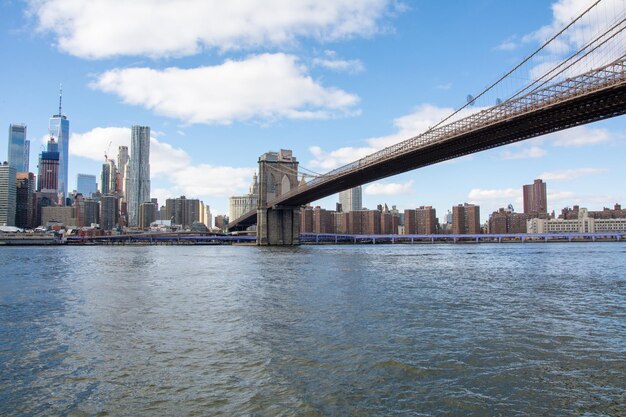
x=425 y=330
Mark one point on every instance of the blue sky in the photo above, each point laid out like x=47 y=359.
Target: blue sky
x=219 y=84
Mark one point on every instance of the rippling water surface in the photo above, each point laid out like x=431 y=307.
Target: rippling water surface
x=508 y=329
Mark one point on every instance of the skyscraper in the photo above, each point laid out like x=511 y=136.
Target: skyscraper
x=108 y=177
x=60 y=129
x=48 y=178
x=351 y=200
x=24 y=208
x=139 y=182
x=105 y=179
x=535 y=198
x=86 y=184
x=7 y=195
x=19 y=148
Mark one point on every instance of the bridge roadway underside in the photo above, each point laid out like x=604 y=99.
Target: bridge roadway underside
x=599 y=105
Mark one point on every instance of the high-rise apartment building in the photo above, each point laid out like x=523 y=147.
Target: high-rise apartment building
x=19 y=147
x=108 y=212
x=7 y=195
x=507 y=221
x=86 y=184
x=24 y=206
x=426 y=219
x=535 y=198
x=147 y=215
x=466 y=219
x=182 y=211
x=351 y=200
x=139 y=182
x=48 y=178
x=86 y=211
x=60 y=129
x=410 y=222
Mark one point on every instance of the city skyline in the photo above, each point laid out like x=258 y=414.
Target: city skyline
x=357 y=94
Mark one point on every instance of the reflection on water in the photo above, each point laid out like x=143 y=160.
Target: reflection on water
x=316 y=330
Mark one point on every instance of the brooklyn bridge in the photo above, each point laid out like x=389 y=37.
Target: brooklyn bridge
x=586 y=86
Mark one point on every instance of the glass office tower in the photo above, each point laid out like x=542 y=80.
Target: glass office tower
x=19 y=148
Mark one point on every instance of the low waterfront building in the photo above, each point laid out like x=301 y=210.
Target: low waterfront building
x=583 y=224
x=606 y=213
x=59 y=215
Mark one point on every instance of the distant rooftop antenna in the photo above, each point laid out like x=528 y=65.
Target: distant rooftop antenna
x=60 y=97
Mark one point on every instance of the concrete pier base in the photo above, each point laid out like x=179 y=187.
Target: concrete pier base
x=278 y=226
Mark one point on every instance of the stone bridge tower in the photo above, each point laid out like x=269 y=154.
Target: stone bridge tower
x=278 y=225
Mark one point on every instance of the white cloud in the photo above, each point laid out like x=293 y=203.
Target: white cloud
x=423 y=118
x=338 y=157
x=532 y=152
x=215 y=181
x=570 y=174
x=102 y=28
x=580 y=136
x=444 y=87
x=94 y=144
x=391 y=188
x=594 y=23
x=408 y=126
x=332 y=62
x=174 y=165
x=353 y=65
x=507 y=46
x=164 y=158
x=491 y=200
x=560 y=196
x=265 y=87
x=506 y=194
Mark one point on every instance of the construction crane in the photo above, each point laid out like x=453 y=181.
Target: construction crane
x=106 y=152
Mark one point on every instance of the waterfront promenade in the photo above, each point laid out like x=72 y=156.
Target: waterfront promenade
x=306 y=238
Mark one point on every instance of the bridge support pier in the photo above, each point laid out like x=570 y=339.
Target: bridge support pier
x=278 y=226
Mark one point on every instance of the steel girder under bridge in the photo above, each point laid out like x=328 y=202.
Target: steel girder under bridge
x=593 y=96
